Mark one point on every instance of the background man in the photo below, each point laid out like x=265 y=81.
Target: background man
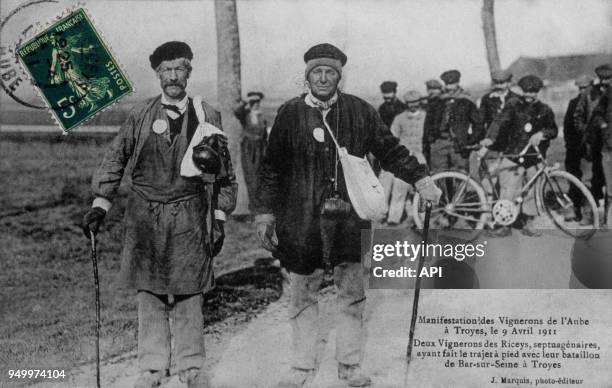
x=524 y=120
x=492 y=103
x=300 y=178
x=391 y=106
x=253 y=143
x=460 y=125
x=574 y=147
x=433 y=112
x=408 y=128
x=167 y=246
x=591 y=120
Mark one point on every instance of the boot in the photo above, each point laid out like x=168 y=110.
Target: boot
x=354 y=375
x=296 y=379
x=502 y=231
x=530 y=230
x=587 y=217
x=149 y=379
x=194 y=378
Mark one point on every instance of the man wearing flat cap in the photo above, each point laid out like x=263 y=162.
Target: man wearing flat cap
x=392 y=106
x=408 y=128
x=173 y=218
x=492 y=103
x=458 y=124
x=303 y=200
x=253 y=142
x=574 y=147
x=524 y=120
x=592 y=121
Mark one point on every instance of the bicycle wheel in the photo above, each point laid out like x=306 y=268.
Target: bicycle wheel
x=463 y=204
x=555 y=200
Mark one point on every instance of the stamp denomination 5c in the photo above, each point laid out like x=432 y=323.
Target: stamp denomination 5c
x=73 y=69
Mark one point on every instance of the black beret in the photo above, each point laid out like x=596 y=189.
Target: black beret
x=450 y=76
x=169 y=51
x=259 y=95
x=604 y=71
x=388 y=87
x=530 y=83
x=325 y=50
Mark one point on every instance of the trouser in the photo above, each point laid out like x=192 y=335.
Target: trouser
x=304 y=314
x=154 y=313
x=606 y=164
x=573 y=161
x=598 y=180
x=397 y=193
x=443 y=157
x=511 y=179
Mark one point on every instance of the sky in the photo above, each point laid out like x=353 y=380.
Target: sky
x=408 y=41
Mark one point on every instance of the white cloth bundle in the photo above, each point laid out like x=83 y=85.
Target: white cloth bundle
x=364 y=189
x=188 y=168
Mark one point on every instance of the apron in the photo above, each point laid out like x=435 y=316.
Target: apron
x=165 y=241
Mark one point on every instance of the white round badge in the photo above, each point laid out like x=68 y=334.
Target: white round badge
x=318 y=134
x=160 y=126
x=528 y=127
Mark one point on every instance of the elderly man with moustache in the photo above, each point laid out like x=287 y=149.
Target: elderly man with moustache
x=170 y=234
x=301 y=187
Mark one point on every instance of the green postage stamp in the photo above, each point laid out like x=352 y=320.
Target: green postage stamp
x=73 y=69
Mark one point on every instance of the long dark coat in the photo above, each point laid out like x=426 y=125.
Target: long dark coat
x=296 y=174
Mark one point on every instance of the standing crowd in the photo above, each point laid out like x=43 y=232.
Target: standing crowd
x=443 y=127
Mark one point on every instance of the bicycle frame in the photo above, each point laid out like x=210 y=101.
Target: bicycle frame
x=542 y=171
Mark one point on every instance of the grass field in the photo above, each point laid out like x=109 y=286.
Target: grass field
x=46 y=296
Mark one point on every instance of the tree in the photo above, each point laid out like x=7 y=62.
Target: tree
x=488 y=26
x=229 y=91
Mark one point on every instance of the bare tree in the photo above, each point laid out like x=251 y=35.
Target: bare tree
x=229 y=89
x=488 y=26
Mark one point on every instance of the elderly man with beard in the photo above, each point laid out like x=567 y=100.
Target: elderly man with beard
x=172 y=230
x=302 y=187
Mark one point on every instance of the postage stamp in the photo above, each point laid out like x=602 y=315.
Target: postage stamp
x=73 y=70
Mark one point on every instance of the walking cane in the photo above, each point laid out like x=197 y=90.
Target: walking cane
x=417 y=290
x=94 y=261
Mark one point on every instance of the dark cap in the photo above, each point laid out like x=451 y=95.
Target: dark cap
x=433 y=84
x=325 y=50
x=604 y=71
x=255 y=96
x=450 y=76
x=583 y=81
x=530 y=84
x=388 y=87
x=169 y=51
x=500 y=76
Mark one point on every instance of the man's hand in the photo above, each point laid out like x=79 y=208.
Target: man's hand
x=92 y=220
x=486 y=142
x=536 y=138
x=266 y=231
x=428 y=190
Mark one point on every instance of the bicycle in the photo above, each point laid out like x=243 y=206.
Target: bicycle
x=465 y=204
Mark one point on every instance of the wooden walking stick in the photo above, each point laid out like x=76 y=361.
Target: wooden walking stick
x=417 y=289
x=94 y=261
